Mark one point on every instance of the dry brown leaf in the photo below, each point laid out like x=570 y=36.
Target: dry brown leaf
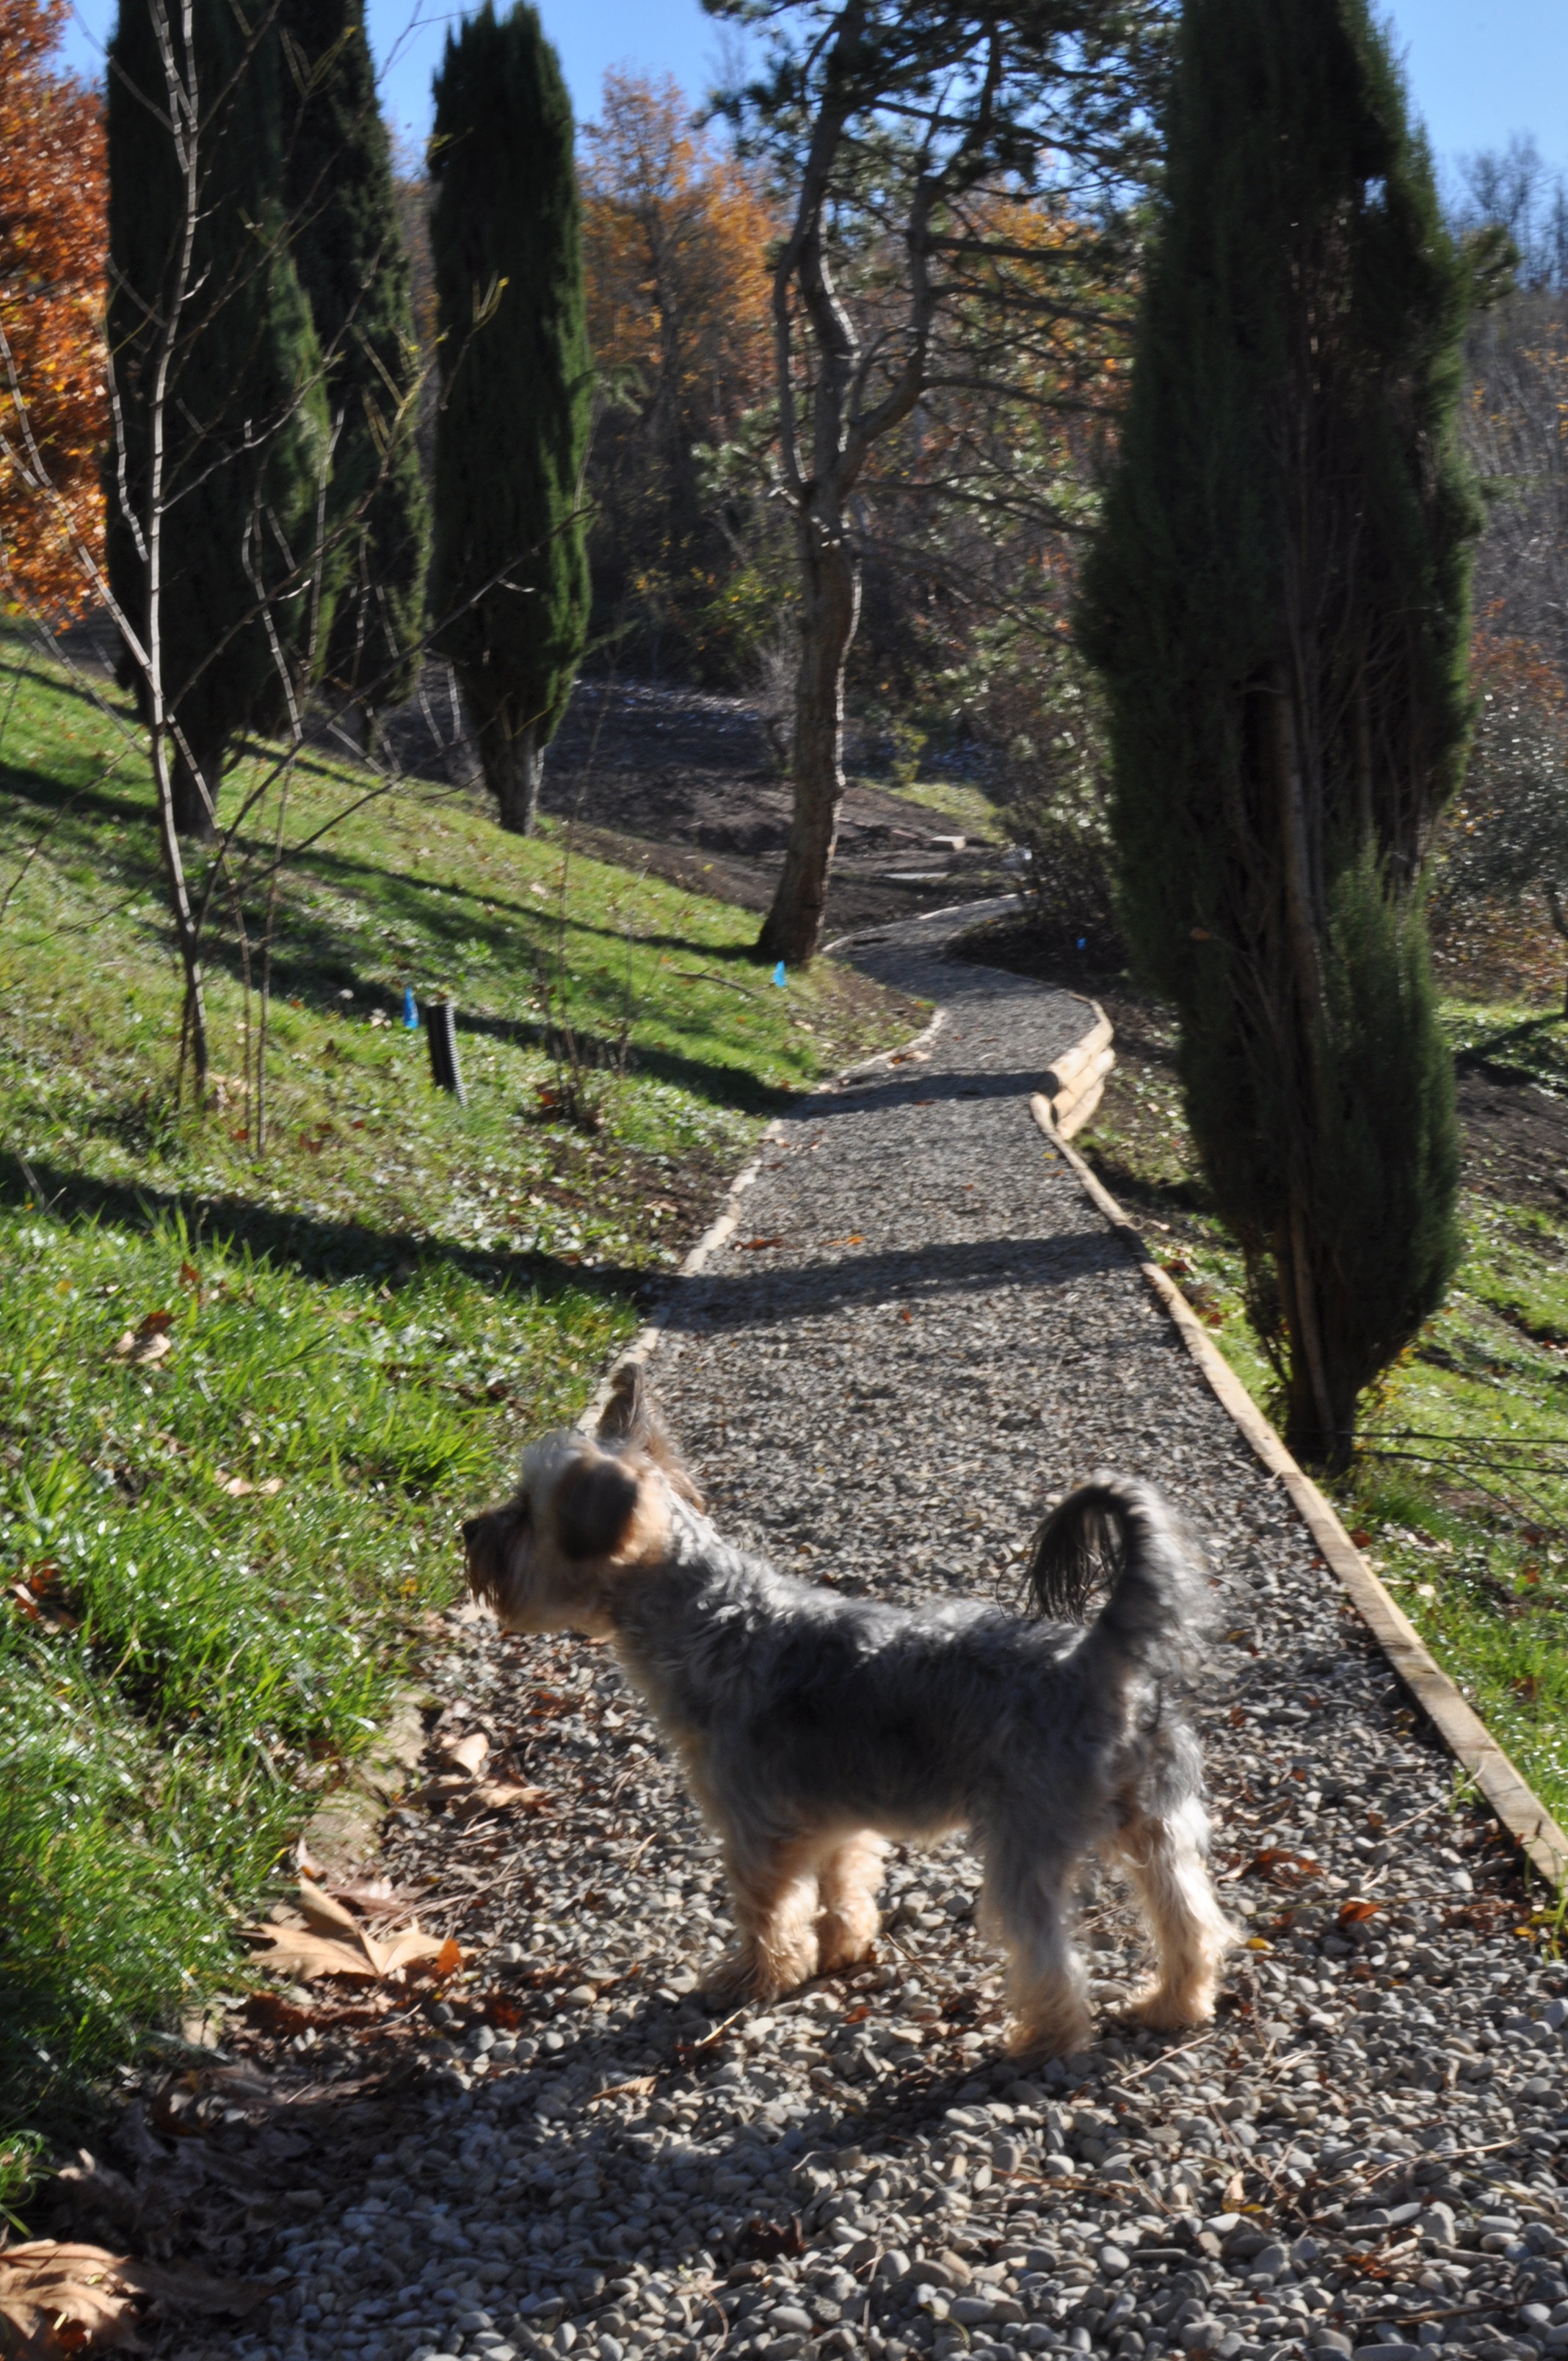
x=403 y=1951
x=144 y=1344
x=348 y=1949
x=298 y=1952
x=237 y=1487
x=55 y=2300
x=466 y=1754
x=325 y=1913
x=503 y=1794
x=449 y=1959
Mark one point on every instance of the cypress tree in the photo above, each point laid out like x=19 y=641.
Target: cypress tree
x=349 y=251
x=244 y=419
x=1277 y=599
x=510 y=572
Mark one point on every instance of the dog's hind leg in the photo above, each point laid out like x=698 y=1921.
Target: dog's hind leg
x=850 y=1880
x=1164 y=1857
x=1026 y=1905
x=772 y=1889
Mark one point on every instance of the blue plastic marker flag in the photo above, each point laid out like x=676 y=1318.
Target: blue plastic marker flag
x=779 y=975
x=1081 y=941
x=410 y=1009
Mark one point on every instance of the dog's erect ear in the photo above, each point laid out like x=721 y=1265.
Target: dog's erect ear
x=595 y=1502
x=626 y=1417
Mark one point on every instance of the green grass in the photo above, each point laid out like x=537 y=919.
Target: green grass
x=972 y=813
x=219 y=1561
x=1460 y=1490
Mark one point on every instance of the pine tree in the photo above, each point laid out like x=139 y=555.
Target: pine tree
x=509 y=577
x=1278 y=600
x=243 y=417
x=348 y=250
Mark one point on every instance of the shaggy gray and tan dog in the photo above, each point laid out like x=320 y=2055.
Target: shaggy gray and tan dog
x=815 y=1728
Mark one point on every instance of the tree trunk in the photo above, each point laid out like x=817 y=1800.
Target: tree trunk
x=1320 y=1409
x=512 y=761
x=832 y=578
x=193 y=811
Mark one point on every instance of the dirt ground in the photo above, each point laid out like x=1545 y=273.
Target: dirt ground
x=683 y=783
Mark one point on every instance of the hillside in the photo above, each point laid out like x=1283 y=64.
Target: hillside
x=246 y=1396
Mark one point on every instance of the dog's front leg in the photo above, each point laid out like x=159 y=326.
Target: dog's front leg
x=773 y=1891
x=849 y=1881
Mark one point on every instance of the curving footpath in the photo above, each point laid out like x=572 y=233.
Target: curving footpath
x=918 y=1333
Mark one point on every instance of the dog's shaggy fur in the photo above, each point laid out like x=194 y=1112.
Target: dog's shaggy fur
x=815 y=1728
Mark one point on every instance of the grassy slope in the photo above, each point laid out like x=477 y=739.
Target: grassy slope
x=1453 y=1495
x=226 y=1554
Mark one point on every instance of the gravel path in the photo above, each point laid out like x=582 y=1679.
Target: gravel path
x=920 y=1334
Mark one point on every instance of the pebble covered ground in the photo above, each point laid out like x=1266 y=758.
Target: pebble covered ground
x=920 y=1334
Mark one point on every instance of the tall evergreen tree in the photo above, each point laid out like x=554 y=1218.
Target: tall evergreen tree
x=1277 y=599
x=509 y=573
x=348 y=250
x=200 y=275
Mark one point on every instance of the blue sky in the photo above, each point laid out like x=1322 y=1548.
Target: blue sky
x=1478 y=69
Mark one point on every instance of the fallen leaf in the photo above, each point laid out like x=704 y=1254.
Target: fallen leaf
x=638 y=2088
x=57 y=2298
x=449 y=1959
x=756 y=1246
x=505 y=1795
x=1276 y=1862
x=1354 y=1914
x=403 y=1951
x=189 y=1276
x=295 y=1951
x=766 y=2242
x=150 y=1342
x=325 y=1913
x=1235 y=2189
x=237 y=1487
x=469 y=1753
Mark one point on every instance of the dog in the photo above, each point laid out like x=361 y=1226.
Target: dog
x=814 y=1728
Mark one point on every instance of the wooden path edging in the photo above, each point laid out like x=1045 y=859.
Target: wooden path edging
x=1461 y=1727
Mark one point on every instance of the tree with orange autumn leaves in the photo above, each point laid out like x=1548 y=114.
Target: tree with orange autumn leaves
x=676 y=237
x=54 y=414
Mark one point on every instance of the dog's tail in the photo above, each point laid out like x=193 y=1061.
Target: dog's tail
x=1116 y=1534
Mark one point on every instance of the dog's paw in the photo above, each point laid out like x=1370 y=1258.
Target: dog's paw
x=842 y=1945
x=738 y=1976
x=1159 y=2011
x=1058 y=2037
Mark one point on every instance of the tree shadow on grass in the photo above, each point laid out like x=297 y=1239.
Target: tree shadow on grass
x=314 y=1247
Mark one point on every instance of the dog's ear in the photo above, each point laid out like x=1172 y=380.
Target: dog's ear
x=627 y=1416
x=595 y=1502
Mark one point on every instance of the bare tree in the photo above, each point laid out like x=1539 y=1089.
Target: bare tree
x=910 y=134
